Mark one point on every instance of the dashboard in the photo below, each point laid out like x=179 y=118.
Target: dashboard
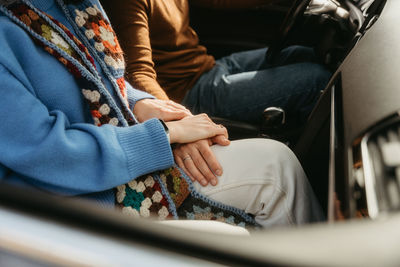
x=371 y=102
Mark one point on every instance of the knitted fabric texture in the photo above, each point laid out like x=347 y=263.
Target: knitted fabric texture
x=165 y=194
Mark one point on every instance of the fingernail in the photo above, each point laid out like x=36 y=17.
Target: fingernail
x=203 y=182
x=218 y=172
x=214 y=182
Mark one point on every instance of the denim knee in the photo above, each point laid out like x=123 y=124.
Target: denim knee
x=296 y=54
x=312 y=81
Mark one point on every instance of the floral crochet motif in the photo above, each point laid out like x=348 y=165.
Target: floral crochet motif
x=101 y=35
x=100 y=111
x=176 y=185
x=56 y=39
x=145 y=196
x=99 y=31
x=36 y=23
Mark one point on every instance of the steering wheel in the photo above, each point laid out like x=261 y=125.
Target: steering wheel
x=292 y=17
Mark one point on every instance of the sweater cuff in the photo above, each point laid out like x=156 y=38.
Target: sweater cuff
x=135 y=95
x=146 y=147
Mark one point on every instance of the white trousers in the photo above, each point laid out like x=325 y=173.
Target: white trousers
x=264 y=178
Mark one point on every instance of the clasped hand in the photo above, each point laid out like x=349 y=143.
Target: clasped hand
x=193 y=136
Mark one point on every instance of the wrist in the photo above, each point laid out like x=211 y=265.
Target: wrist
x=166 y=129
x=173 y=131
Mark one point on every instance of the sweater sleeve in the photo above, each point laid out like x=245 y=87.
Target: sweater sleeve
x=130 y=20
x=135 y=95
x=229 y=4
x=45 y=149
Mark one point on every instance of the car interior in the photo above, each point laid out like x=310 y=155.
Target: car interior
x=349 y=149
x=332 y=29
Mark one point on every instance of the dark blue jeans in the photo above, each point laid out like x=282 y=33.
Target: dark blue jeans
x=242 y=85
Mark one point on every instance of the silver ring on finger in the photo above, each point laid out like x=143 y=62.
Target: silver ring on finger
x=186 y=158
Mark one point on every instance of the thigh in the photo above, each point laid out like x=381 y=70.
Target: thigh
x=295 y=54
x=253 y=60
x=244 y=96
x=264 y=178
x=250 y=166
x=250 y=60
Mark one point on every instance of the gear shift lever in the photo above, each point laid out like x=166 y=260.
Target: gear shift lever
x=274 y=117
x=274 y=120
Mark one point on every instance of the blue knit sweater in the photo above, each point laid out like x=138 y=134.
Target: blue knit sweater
x=47 y=136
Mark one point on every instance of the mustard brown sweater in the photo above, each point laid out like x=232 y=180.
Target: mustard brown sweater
x=163 y=52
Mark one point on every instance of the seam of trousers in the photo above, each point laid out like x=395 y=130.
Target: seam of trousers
x=237 y=184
